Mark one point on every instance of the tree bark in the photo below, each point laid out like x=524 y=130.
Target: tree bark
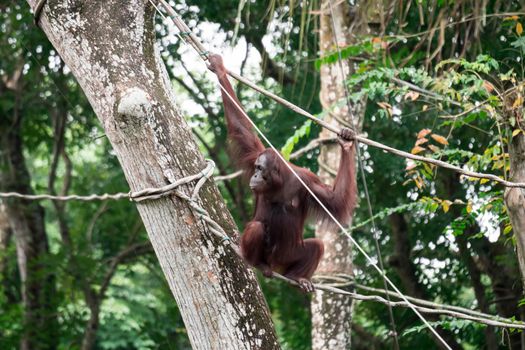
x=515 y=198
x=110 y=48
x=332 y=313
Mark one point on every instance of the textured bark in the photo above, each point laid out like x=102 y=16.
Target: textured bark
x=332 y=313
x=502 y=275
x=110 y=48
x=26 y=220
x=515 y=198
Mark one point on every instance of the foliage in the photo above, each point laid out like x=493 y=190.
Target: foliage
x=461 y=105
x=303 y=131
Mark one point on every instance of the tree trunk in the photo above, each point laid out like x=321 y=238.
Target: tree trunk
x=110 y=48
x=515 y=198
x=5 y=239
x=26 y=220
x=485 y=257
x=515 y=202
x=332 y=313
x=90 y=333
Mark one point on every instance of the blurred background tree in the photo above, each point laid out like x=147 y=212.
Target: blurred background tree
x=443 y=79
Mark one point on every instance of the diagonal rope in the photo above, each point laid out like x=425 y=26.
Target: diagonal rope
x=331 y=284
x=356 y=244
x=154 y=193
x=203 y=53
x=375 y=232
x=192 y=40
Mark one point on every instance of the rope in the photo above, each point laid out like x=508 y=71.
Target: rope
x=138 y=196
x=195 y=43
x=205 y=174
x=436 y=306
x=198 y=46
x=334 y=219
x=119 y=196
x=216 y=229
x=184 y=30
x=421 y=305
x=146 y=194
x=37 y=12
x=425 y=307
x=375 y=231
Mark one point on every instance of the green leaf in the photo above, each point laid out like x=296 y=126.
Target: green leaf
x=349 y=51
x=289 y=145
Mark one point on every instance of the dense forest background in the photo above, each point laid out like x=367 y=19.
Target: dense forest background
x=440 y=78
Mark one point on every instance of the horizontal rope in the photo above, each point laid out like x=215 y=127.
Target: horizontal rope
x=92 y=197
x=204 y=175
x=138 y=196
x=197 y=45
x=154 y=193
x=423 y=309
x=421 y=305
x=343 y=280
x=147 y=194
x=132 y=196
x=123 y=195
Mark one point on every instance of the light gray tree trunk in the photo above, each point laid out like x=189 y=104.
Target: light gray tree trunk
x=110 y=48
x=515 y=198
x=332 y=313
